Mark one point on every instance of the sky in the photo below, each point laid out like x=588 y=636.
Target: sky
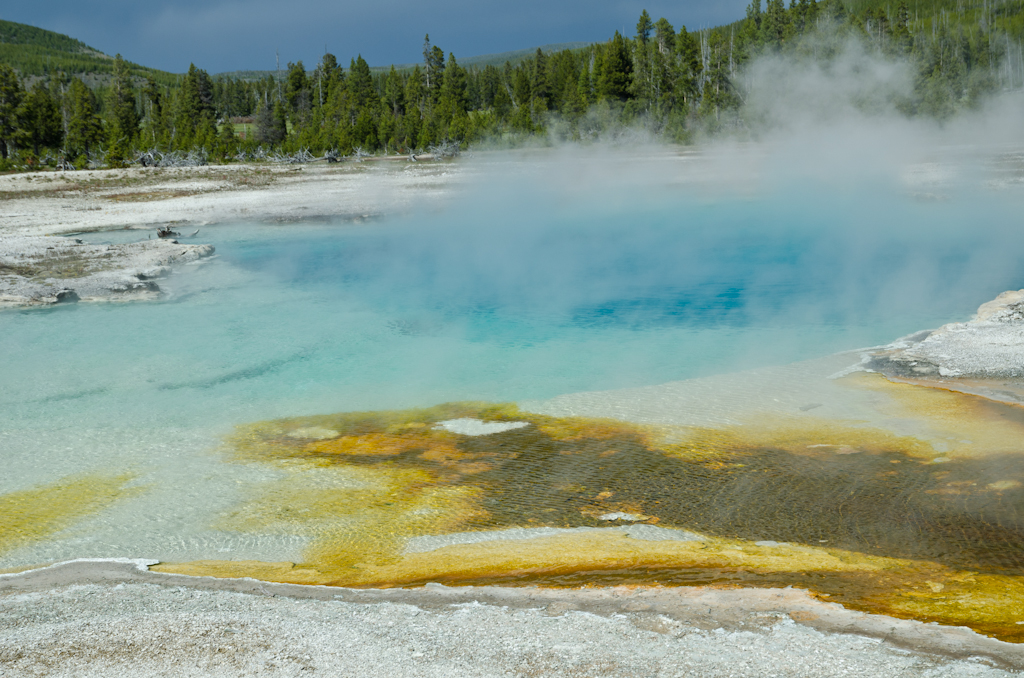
x=228 y=35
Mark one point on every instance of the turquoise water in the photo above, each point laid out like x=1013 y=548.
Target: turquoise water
x=513 y=294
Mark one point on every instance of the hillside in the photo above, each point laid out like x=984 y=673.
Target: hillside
x=36 y=52
x=1004 y=16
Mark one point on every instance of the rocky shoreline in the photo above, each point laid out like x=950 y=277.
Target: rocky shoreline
x=42 y=271
x=39 y=267
x=983 y=356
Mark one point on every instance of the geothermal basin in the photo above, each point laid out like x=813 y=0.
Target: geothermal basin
x=543 y=383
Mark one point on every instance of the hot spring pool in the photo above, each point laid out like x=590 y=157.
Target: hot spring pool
x=518 y=294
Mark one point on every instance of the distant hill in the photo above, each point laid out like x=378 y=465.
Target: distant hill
x=498 y=59
x=37 y=52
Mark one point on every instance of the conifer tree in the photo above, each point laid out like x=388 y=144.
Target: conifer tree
x=296 y=88
x=360 y=83
x=490 y=81
x=394 y=93
x=572 y=104
x=415 y=90
x=774 y=24
x=11 y=95
x=718 y=93
x=84 y=130
x=502 y=102
x=451 y=109
x=123 y=116
x=665 y=36
x=903 y=42
x=689 y=69
x=40 y=119
x=521 y=93
x=453 y=86
x=194 y=103
x=226 y=138
x=644 y=27
x=155 y=123
x=271 y=127
x=584 y=86
x=615 y=76
x=433 y=60
x=152 y=93
x=540 y=88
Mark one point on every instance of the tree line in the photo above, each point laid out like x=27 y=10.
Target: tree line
x=676 y=83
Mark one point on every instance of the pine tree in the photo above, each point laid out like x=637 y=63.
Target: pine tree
x=616 y=73
x=84 y=130
x=689 y=68
x=194 y=102
x=155 y=123
x=296 y=88
x=433 y=60
x=754 y=15
x=271 y=127
x=585 y=86
x=774 y=24
x=325 y=78
x=502 y=103
x=360 y=83
x=540 y=88
x=11 y=95
x=40 y=119
x=665 y=36
x=882 y=31
x=394 y=93
x=718 y=92
x=903 y=41
x=644 y=27
x=453 y=86
x=152 y=93
x=415 y=90
x=521 y=93
x=123 y=116
x=572 y=105
x=490 y=81
x=805 y=13
x=226 y=138
x=870 y=27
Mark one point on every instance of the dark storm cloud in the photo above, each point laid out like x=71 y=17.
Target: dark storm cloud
x=224 y=35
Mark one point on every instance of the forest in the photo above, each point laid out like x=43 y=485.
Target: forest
x=674 y=84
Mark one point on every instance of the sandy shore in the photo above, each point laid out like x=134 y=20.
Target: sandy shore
x=101 y=618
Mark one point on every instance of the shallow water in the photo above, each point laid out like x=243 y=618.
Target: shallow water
x=520 y=292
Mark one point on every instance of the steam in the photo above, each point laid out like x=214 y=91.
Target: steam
x=786 y=94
